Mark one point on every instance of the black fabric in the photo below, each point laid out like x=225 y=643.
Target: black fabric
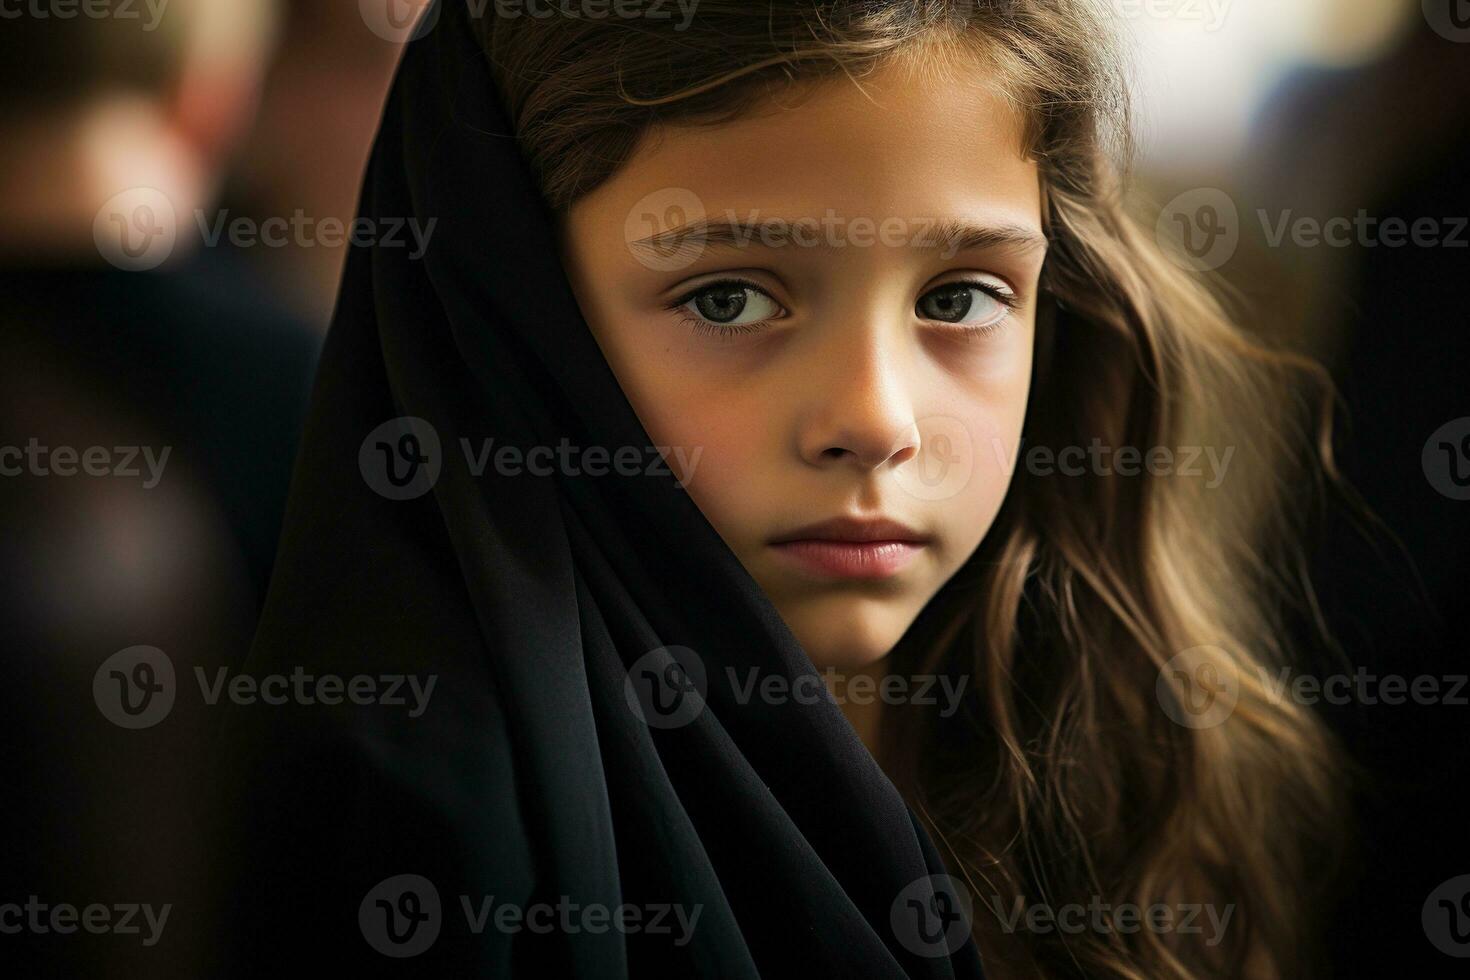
x=529 y=777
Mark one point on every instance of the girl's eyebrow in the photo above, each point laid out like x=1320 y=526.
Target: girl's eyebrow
x=948 y=234
x=958 y=236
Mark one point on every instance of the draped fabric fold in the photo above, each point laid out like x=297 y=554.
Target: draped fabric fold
x=530 y=776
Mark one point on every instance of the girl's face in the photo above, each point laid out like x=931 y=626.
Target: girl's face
x=843 y=334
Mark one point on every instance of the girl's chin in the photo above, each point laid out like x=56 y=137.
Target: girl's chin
x=850 y=642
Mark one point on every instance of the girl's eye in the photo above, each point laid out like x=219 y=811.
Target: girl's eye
x=972 y=304
x=731 y=304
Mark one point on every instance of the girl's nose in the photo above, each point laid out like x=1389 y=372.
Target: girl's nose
x=859 y=410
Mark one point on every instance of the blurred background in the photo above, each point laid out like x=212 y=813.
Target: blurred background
x=178 y=178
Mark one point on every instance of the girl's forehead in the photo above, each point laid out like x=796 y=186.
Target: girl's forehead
x=895 y=141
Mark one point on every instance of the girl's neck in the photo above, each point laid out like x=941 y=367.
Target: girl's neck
x=864 y=714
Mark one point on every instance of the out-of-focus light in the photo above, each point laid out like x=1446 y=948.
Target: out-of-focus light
x=1353 y=32
x=1204 y=66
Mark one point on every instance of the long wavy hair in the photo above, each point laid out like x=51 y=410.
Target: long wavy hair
x=1102 y=610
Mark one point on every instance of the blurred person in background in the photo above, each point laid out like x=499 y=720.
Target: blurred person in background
x=1385 y=146
x=150 y=400
x=318 y=110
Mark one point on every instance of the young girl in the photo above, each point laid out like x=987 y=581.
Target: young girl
x=777 y=466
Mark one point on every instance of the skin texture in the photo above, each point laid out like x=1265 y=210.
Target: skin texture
x=844 y=400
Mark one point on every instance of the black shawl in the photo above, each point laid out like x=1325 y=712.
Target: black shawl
x=534 y=774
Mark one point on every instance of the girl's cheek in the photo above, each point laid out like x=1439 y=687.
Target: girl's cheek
x=981 y=471
x=717 y=460
x=727 y=480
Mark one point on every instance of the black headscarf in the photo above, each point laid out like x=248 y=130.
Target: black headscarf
x=532 y=776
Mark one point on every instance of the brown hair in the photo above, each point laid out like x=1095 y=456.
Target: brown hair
x=1067 y=779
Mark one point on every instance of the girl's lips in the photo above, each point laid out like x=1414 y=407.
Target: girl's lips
x=850 y=559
